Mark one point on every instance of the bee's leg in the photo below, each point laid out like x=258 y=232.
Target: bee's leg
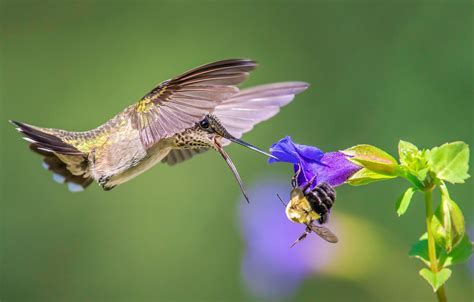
x=306 y=186
x=295 y=177
x=303 y=236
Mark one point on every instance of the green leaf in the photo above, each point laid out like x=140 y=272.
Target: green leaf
x=420 y=249
x=412 y=160
x=450 y=162
x=459 y=254
x=406 y=151
x=364 y=176
x=373 y=159
x=404 y=201
x=436 y=279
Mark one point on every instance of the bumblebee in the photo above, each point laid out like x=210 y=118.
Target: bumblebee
x=308 y=206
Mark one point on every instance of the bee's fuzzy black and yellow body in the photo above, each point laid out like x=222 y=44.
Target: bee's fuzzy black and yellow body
x=307 y=206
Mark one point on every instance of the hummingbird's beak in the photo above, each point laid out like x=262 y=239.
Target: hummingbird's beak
x=232 y=168
x=242 y=143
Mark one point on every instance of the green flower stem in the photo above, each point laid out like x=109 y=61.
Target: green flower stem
x=440 y=293
x=413 y=180
x=431 y=242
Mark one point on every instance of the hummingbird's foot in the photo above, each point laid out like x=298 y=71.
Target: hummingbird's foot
x=103 y=180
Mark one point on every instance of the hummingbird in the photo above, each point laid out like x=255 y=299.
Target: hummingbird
x=199 y=110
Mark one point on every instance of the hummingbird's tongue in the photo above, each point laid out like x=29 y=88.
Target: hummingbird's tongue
x=232 y=167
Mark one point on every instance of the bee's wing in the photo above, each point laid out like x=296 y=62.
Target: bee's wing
x=241 y=112
x=324 y=233
x=179 y=103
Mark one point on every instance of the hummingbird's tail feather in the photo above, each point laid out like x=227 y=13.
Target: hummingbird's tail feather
x=68 y=164
x=48 y=140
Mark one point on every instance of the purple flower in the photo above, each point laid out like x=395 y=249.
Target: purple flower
x=333 y=167
x=270 y=268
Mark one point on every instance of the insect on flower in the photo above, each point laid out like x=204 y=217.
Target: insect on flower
x=307 y=206
x=316 y=175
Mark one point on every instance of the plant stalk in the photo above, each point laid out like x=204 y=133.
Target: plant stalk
x=440 y=293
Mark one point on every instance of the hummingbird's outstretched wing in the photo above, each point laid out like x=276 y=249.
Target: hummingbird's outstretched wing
x=176 y=156
x=244 y=110
x=181 y=102
x=241 y=112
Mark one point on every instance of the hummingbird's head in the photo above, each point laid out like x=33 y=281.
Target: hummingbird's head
x=215 y=130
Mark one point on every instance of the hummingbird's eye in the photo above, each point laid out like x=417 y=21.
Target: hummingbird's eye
x=204 y=124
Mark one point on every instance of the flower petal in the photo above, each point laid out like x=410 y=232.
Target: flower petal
x=337 y=169
x=287 y=151
x=333 y=168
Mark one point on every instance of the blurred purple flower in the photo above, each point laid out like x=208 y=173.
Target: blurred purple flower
x=333 y=167
x=270 y=268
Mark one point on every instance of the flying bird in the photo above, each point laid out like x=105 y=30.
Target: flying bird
x=198 y=110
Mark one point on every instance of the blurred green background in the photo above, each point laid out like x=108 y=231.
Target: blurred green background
x=380 y=72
